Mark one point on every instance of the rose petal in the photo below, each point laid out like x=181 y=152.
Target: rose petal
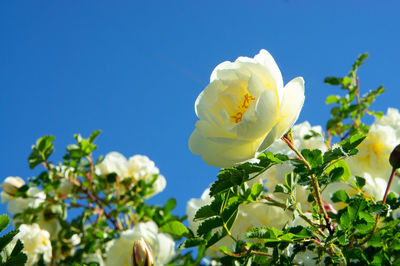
x=292 y=102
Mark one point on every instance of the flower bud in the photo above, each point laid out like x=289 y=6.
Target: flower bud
x=142 y=254
x=12 y=184
x=394 y=158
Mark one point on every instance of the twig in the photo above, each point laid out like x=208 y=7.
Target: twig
x=314 y=182
x=95 y=199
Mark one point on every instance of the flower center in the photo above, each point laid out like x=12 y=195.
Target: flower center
x=242 y=108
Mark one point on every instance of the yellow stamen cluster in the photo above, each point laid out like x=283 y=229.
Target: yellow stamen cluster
x=243 y=108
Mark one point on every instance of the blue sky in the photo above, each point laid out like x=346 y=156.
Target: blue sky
x=134 y=69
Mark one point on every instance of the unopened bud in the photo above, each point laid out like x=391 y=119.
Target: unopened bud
x=12 y=184
x=394 y=158
x=142 y=253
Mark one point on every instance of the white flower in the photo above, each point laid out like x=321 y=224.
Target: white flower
x=113 y=162
x=373 y=153
x=120 y=250
x=138 y=167
x=34 y=199
x=36 y=243
x=10 y=187
x=243 y=110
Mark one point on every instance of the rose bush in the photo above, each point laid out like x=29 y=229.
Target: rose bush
x=243 y=110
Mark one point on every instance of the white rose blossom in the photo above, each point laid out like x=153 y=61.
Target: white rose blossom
x=36 y=243
x=120 y=250
x=138 y=167
x=372 y=159
x=243 y=110
x=373 y=153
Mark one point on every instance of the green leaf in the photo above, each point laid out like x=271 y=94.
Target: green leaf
x=256 y=190
x=208 y=225
x=345 y=220
x=264 y=233
x=18 y=260
x=227 y=178
x=250 y=168
x=42 y=151
x=314 y=157
x=215 y=237
x=347 y=81
x=205 y=212
x=170 y=205
x=4 y=222
x=94 y=135
x=355 y=207
x=4 y=240
x=340 y=196
x=360 y=181
x=280 y=188
x=192 y=242
x=273 y=158
x=345 y=148
x=175 y=227
x=343 y=174
x=229 y=213
x=366 y=217
x=17 y=248
x=333 y=80
x=331 y=99
x=289 y=179
x=360 y=60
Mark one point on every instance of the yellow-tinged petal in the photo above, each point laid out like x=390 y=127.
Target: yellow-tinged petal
x=220 y=154
x=292 y=102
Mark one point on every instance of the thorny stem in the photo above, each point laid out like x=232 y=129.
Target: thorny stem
x=314 y=181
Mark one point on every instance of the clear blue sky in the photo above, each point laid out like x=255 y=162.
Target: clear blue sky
x=134 y=69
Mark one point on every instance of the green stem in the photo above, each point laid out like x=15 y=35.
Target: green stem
x=314 y=182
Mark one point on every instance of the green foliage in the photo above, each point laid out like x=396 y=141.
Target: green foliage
x=229 y=177
x=105 y=205
x=350 y=108
x=41 y=151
